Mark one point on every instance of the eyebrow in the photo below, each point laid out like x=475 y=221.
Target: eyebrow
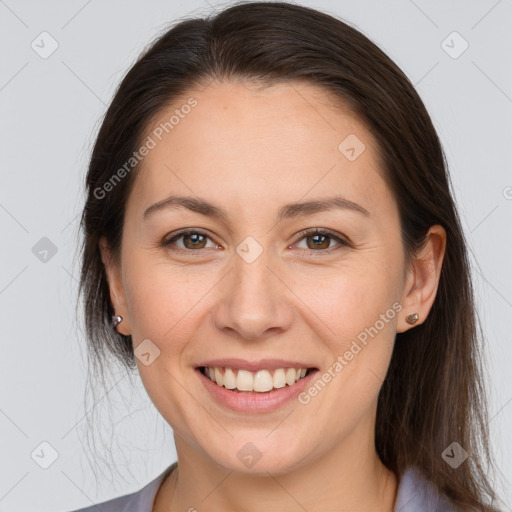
x=285 y=212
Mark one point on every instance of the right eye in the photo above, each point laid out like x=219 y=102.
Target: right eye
x=193 y=240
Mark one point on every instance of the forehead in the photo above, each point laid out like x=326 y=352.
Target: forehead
x=238 y=140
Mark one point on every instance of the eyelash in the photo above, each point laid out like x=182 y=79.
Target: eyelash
x=303 y=234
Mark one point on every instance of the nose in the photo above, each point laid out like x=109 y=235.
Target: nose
x=254 y=302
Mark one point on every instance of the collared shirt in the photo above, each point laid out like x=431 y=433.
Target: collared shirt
x=414 y=494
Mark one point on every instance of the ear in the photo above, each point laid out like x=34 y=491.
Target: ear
x=117 y=296
x=423 y=278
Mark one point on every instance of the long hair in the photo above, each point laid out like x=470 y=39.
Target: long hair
x=433 y=394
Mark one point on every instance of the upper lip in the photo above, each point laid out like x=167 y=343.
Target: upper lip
x=261 y=364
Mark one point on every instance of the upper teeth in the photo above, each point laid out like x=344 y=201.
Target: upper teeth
x=261 y=380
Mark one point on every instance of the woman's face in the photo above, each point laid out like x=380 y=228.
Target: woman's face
x=249 y=285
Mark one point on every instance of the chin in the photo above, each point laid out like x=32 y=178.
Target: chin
x=258 y=457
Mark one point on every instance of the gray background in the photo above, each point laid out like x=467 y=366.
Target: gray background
x=49 y=114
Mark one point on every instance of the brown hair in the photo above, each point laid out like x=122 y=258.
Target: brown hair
x=433 y=393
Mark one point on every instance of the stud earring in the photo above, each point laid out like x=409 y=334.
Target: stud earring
x=412 y=319
x=116 y=320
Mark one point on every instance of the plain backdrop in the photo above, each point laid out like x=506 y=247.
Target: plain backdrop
x=50 y=107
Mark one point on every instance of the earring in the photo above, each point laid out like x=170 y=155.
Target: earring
x=116 y=320
x=412 y=319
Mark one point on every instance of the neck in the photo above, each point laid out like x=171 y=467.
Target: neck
x=350 y=477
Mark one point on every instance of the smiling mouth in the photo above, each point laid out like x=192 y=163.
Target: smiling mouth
x=261 y=381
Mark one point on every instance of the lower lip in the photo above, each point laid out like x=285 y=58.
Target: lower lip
x=253 y=401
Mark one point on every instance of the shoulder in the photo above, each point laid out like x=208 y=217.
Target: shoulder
x=416 y=494
x=141 y=500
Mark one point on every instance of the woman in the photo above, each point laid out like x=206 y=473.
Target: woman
x=270 y=228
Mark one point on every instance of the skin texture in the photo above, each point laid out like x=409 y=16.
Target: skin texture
x=251 y=150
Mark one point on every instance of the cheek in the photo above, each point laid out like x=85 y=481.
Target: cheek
x=353 y=298
x=161 y=298
x=358 y=304
x=161 y=302
x=360 y=311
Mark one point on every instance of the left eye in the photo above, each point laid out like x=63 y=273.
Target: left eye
x=196 y=240
x=321 y=239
